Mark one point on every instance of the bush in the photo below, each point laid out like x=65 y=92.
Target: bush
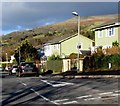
x=101 y=62
x=53 y=57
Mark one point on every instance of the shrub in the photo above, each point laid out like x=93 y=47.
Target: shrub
x=53 y=57
x=98 y=62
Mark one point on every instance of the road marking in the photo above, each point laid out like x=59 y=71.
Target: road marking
x=71 y=102
x=43 y=97
x=19 y=91
x=32 y=89
x=45 y=81
x=57 y=85
x=92 y=98
x=105 y=93
x=115 y=94
x=24 y=84
x=62 y=82
x=117 y=91
x=86 y=96
x=60 y=100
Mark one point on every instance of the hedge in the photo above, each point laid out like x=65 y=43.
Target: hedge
x=96 y=62
x=55 y=65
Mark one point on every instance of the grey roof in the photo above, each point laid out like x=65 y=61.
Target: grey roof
x=63 y=38
x=60 y=39
x=114 y=22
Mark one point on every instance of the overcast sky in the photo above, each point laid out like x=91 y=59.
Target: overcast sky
x=27 y=15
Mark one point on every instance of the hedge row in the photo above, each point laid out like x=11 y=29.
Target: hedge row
x=55 y=65
x=97 y=62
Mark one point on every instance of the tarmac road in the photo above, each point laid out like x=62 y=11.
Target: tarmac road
x=58 y=91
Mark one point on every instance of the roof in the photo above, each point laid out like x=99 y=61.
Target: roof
x=107 y=25
x=60 y=39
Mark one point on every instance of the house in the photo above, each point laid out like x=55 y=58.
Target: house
x=106 y=34
x=65 y=45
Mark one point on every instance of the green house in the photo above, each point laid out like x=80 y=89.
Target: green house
x=65 y=45
x=106 y=34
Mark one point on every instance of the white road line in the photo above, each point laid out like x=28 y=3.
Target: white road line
x=56 y=85
x=60 y=100
x=86 y=96
x=43 y=97
x=92 y=98
x=117 y=91
x=32 y=89
x=63 y=82
x=19 y=91
x=105 y=93
x=71 y=102
x=115 y=94
x=24 y=84
x=45 y=81
x=59 y=85
x=39 y=94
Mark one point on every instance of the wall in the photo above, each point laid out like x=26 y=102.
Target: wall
x=105 y=40
x=70 y=46
x=52 y=49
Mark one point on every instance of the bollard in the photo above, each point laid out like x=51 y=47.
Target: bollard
x=110 y=65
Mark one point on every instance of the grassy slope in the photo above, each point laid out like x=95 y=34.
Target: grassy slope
x=40 y=35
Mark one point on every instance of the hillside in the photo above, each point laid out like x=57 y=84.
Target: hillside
x=40 y=35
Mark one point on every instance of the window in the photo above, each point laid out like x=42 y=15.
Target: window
x=55 y=47
x=93 y=43
x=100 y=34
x=110 y=32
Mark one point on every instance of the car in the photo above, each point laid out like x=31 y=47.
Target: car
x=2 y=69
x=27 y=68
x=13 y=69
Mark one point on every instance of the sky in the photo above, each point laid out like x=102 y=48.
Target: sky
x=19 y=16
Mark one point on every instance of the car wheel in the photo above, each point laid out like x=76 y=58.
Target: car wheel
x=16 y=74
x=19 y=75
x=37 y=75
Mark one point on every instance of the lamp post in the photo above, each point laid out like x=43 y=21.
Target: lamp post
x=79 y=45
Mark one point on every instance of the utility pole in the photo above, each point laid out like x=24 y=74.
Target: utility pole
x=79 y=44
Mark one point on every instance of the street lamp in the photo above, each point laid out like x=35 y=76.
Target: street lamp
x=79 y=45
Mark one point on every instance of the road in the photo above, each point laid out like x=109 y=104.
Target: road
x=58 y=91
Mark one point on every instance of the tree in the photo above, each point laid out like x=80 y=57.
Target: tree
x=26 y=51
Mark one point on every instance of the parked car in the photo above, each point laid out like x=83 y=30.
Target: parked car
x=27 y=68
x=13 y=69
x=2 y=69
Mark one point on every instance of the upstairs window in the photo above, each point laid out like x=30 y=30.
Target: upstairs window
x=100 y=34
x=110 y=32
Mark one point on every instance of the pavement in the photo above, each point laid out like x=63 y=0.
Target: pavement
x=81 y=76
x=74 y=74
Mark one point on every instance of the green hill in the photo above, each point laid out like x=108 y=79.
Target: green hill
x=40 y=35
